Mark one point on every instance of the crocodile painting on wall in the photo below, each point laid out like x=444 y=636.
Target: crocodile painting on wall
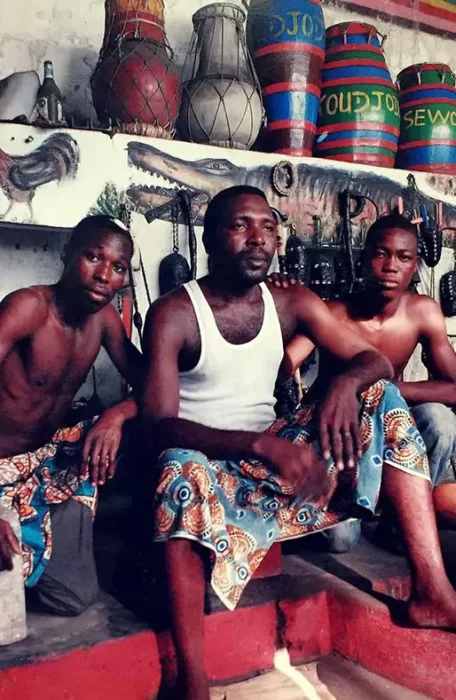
x=314 y=195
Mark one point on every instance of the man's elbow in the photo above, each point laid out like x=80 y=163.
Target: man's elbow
x=157 y=431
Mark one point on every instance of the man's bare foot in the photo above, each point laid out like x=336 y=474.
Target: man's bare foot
x=437 y=611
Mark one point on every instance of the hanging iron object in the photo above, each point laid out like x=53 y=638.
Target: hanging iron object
x=321 y=276
x=297 y=259
x=341 y=276
x=174 y=269
x=359 y=274
x=321 y=271
x=448 y=293
x=431 y=236
x=448 y=287
x=186 y=204
x=282 y=237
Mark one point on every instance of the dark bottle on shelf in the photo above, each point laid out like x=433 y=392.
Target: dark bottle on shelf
x=49 y=104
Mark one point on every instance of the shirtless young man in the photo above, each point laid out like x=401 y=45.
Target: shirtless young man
x=395 y=321
x=233 y=481
x=50 y=337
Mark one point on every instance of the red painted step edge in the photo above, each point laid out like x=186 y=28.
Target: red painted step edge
x=420 y=659
x=339 y=617
x=120 y=669
x=306 y=631
x=237 y=644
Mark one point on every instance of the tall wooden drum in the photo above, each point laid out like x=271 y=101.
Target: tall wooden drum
x=359 y=111
x=287 y=42
x=427 y=96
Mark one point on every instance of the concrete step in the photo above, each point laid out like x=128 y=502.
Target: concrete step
x=327 y=678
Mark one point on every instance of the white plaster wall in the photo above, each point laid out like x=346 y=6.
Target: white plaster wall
x=71 y=33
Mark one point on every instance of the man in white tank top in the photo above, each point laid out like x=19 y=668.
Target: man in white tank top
x=231 y=483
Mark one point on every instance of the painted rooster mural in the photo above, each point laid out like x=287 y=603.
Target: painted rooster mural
x=57 y=158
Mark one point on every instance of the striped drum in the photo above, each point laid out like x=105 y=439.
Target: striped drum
x=359 y=110
x=287 y=41
x=427 y=96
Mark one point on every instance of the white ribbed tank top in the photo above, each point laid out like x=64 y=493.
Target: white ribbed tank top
x=232 y=386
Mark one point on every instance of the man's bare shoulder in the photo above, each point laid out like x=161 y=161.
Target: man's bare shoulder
x=294 y=293
x=170 y=312
x=339 y=308
x=30 y=302
x=422 y=309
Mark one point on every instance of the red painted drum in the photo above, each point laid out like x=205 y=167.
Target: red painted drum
x=134 y=19
x=135 y=82
x=287 y=41
x=359 y=111
x=427 y=97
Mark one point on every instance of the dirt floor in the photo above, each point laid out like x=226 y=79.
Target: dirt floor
x=328 y=678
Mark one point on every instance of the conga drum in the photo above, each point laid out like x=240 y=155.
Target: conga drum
x=358 y=119
x=135 y=83
x=427 y=97
x=287 y=41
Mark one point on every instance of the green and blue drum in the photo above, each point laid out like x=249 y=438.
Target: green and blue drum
x=359 y=110
x=427 y=97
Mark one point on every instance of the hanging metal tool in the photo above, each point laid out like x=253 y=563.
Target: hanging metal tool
x=429 y=226
x=431 y=235
x=448 y=287
x=174 y=269
x=282 y=236
x=321 y=271
x=297 y=258
x=186 y=204
x=351 y=206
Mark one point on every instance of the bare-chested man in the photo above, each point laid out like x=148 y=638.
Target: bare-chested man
x=233 y=480
x=395 y=321
x=49 y=339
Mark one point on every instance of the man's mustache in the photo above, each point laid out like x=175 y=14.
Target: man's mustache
x=255 y=255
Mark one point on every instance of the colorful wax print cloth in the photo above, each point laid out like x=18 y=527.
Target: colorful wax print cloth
x=31 y=482
x=238 y=509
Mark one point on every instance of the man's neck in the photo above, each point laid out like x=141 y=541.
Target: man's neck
x=370 y=306
x=225 y=287
x=64 y=307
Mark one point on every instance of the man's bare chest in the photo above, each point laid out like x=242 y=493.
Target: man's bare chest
x=55 y=361
x=396 y=340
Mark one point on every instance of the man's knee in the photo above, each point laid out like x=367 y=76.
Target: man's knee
x=437 y=425
x=69 y=584
x=343 y=537
x=54 y=597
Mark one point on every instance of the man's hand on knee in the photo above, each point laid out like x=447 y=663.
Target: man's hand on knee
x=301 y=466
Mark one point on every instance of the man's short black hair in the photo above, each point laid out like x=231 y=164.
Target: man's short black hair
x=218 y=206
x=91 y=227
x=387 y=223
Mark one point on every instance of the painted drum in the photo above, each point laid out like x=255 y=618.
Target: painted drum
x=135 y=81
x=287 y=41
x=359 y=110
x=427 y=97
x=134 y=19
